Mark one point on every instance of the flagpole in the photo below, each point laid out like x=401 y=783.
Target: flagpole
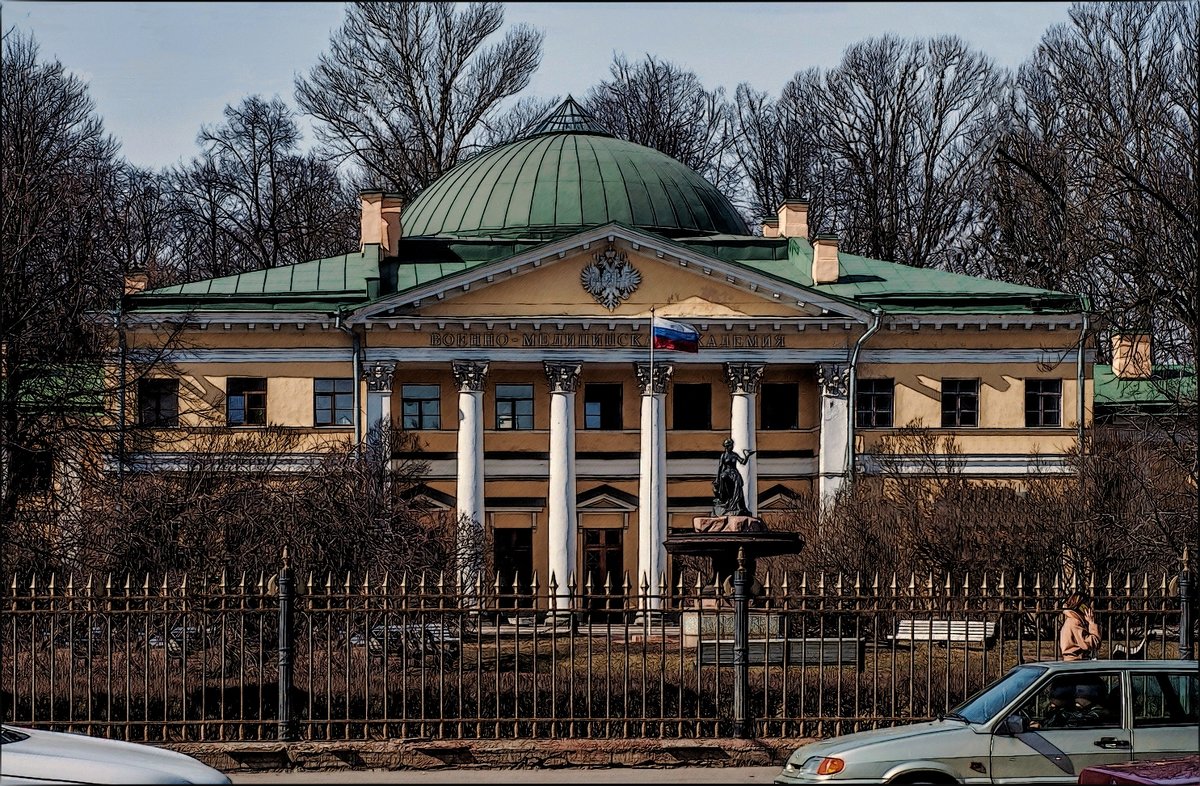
x=652 y=496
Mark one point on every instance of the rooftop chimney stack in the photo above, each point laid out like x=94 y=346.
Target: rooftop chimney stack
x=135 y=282
x=793 y=218
x=381 y=220
x=825 y=259
x=770 y=227
x=1131 y=356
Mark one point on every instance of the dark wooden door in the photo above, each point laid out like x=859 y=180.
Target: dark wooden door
x=513 y=558
x=603 y=561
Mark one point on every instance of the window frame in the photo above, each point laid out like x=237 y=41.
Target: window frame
x=678 y=405
x=873 y=398
x=332 y=396
x=610 y=417
x=1036 y=415
x=260 y=390
x=518 y=421
x=956 y=413
x=423 y=418
x=1164 y=675
x=158 y=421
x=793 y=401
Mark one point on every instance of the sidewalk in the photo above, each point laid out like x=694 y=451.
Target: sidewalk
x=240 y=757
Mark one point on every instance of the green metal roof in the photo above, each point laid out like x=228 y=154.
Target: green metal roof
x=318 y=285
x=569 y=176
x=1169 y=385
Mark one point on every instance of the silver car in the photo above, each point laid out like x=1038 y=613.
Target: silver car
x=1039 y=723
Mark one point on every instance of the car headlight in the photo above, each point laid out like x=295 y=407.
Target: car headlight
x=830 y=766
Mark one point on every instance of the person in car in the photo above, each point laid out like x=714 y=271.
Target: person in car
x=1089 y=706
x=1060 y=709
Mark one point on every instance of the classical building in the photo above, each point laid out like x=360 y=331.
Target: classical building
x=504 y=315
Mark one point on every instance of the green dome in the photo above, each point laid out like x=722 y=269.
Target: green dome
x=568 y=175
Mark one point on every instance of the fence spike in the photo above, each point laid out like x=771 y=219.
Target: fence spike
x=534 y=585
x=767 y=585
x=1128 y=584
x=421 y=584
x=1000 y=584
x=571 y=583
x=498 y=586
x=966 y=587
x=552 y=587
x=108 y=585
x=50 y=586
x=858 y=582
x=679 y=586
x=645 y=585
x=662 y=583
x=441 y=582
x=366 y=585
x=88 y=587
x=608 y=583
x=783 y=585
x=346 y=584
x=1037 y=583
x=804 y=582
x=1057 y=586
x=163 y=589
x=821 y=584
x=983 y=587
x=383 y=587
x=1145 y=584
x=478 y=584
x=894 y=587
x=128 y=582
x=589 y=586
x=1163 y=585
x=625 y=585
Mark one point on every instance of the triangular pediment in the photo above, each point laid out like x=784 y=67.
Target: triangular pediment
x=611 y=272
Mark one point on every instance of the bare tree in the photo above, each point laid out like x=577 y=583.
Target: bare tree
x=517 y=121
x=58 y=204
x=909 y=128
x=658 y=104
x=777 y=145
x=251 y=201
x=406 y=88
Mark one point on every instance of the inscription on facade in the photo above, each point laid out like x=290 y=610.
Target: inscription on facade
x=532 y=340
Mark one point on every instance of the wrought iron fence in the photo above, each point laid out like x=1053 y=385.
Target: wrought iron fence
x=407 y=657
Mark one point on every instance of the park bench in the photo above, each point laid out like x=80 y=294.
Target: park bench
x=787 y=652
x=412 y=640
x=943 y=632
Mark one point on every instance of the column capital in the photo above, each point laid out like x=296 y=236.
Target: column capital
x=379 y=377
x=662 y=377
x=469 y=375
x=563 y=377
x=833 y=379
x=743 y=377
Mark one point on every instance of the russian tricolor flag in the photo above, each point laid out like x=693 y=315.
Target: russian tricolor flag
x=675 y=335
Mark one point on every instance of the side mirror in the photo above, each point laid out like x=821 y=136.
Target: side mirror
x=1012 y=726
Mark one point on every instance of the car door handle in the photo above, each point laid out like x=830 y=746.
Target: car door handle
x=1111 y=742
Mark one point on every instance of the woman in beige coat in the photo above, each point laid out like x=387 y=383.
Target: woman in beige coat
x=1079 y=638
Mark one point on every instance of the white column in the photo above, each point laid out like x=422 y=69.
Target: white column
x=652 y=485
x=379 y=399
x=832 y=470
x=470 y=377
x=563 y=521
x=743 y=379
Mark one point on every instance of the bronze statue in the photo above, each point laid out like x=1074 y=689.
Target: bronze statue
x=729 y=498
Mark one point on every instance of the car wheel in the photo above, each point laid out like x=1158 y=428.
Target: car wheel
x=924 y=779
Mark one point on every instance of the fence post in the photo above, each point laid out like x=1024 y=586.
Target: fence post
x=285 y=649
x=741 y=649
x=1185 y=609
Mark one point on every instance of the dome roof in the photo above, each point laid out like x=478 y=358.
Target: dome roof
x=566 y=175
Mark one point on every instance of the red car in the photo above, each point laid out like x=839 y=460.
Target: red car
x=1183 y=771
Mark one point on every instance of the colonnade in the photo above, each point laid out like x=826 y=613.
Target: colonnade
x=743 y=380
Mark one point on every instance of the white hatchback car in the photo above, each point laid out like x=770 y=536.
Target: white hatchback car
x=34 y=756
x=1039 y=723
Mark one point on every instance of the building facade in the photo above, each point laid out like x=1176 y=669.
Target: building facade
x=504 y=317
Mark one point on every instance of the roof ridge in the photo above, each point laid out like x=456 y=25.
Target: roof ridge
x=569 y=117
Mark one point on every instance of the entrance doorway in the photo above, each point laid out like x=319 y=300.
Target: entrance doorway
x=512 y=554
x=603 y=561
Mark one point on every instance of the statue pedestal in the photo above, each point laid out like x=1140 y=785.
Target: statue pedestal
x=728 y=524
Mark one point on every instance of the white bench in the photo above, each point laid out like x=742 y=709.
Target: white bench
x=944 y=632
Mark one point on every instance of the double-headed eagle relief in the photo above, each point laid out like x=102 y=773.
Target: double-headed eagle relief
x=610 y=278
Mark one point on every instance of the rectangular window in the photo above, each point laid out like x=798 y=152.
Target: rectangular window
x=602 y=406
x=246 y=401
x=1165 y=699
x=873 y=407
x=780 y=407
x=960 y=403
x=33 y=470
x=333 y=402
x=1043 y=402
x=691 y=406
x=514 y=407
x=158 y=402
x=422 y=406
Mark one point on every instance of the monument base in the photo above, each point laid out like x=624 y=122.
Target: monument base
x=728 y=524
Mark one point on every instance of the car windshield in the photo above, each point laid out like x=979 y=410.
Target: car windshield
x=984 y=705
x=11 y=735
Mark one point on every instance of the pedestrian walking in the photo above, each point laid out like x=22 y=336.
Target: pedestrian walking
x=1079 y=638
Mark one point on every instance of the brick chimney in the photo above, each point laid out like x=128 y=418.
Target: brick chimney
x=793 y=218
x=770 y=227
x=380 y=220
x=135 y=282
x=825 y=259
x=1131 y=356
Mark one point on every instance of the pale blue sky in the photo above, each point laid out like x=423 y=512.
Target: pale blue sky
x=158 y=71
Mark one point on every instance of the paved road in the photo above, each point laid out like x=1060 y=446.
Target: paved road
x=576 y=776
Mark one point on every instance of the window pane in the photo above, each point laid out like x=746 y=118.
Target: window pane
x=780 y=407
x=691 y=406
